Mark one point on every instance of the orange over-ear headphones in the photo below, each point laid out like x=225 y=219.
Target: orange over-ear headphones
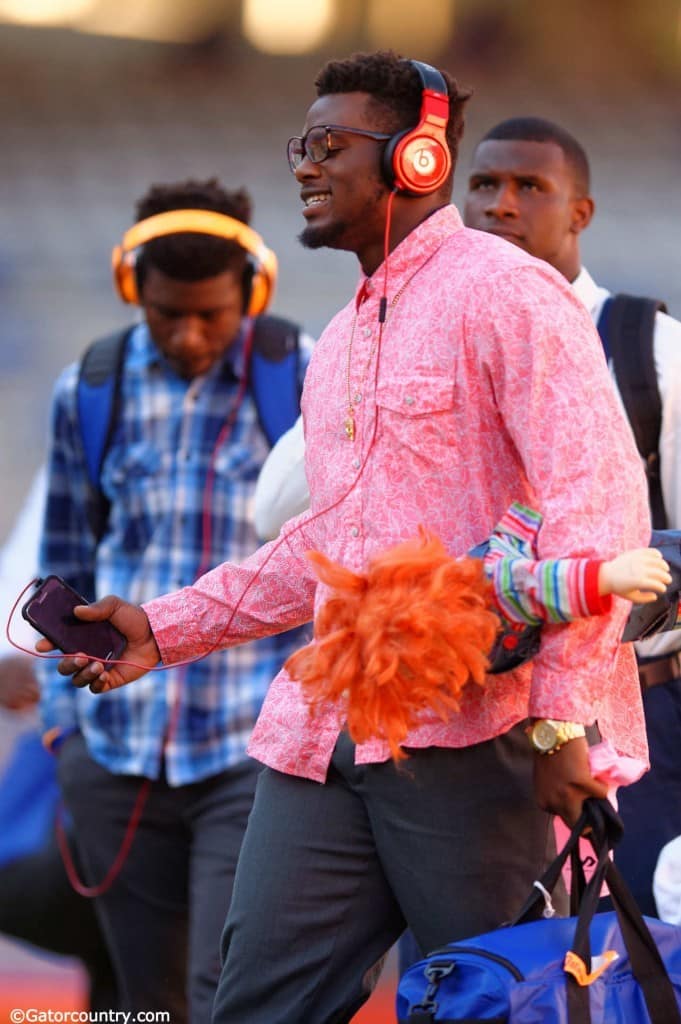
x=417 y=161
x=206 y=222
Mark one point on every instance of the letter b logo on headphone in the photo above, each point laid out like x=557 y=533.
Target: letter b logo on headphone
x=418 y=161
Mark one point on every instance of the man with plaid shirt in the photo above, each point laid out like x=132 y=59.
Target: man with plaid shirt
x=179 y=474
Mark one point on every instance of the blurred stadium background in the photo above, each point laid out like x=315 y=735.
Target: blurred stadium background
x=99 y=98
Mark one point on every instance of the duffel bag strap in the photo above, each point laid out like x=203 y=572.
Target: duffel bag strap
x=604 y=828
x=647 y=965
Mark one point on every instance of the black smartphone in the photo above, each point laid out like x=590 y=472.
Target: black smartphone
x=50 y=611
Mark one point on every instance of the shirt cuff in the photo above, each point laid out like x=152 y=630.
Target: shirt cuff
x=596 y=604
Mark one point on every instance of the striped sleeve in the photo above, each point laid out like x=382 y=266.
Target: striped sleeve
x=550 y=590
x=528 y=590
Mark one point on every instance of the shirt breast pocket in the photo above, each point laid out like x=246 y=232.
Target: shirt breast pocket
x=136 y=482
x=416 y=412
x=240 y=463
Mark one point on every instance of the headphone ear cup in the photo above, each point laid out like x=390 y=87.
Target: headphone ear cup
x=125 y=283
x=420 y=162
x=263 y=282
x=417 y=161
x=388 y=167
x=261 y=293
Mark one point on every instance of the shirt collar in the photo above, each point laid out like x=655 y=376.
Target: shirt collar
x=412 y=252
x=586 y=289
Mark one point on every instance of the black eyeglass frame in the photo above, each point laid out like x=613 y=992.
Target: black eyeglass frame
x=327 y=128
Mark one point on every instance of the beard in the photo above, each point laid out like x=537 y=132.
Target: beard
x=330 y=236
x=349 y=234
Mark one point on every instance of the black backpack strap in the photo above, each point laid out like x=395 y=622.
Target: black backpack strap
x=275 y=377
x=626 y=326
x=98 y=399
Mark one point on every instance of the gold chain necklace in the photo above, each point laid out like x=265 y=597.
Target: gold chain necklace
x=349 y=422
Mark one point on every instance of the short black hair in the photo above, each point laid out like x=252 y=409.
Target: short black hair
x=191 y=256
x=395 y=88
x=537 y=129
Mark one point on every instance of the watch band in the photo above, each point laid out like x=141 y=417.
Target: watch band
x=548 y=735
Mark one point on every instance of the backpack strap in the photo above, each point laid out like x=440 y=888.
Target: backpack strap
x=275 y=377
x=98 y=400
x=626 y=326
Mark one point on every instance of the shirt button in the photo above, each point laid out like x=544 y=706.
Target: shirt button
x=355 y=531
x=355 y=463
x=367 y=332
x=357 y=397
x=409 y=399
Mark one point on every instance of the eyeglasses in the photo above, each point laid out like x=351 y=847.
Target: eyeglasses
x=316 y=144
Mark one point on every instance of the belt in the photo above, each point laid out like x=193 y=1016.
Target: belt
x=662 y=670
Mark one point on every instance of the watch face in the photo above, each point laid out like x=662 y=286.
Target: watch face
x=544 y=735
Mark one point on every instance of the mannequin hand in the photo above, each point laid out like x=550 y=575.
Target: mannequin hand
x=639 y=575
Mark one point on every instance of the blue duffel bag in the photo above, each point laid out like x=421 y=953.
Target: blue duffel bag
x=609 y=968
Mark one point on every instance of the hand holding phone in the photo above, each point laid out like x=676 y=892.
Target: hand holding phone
x=50 y=611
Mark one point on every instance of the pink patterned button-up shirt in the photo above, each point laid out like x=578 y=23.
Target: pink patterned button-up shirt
x=487 y=385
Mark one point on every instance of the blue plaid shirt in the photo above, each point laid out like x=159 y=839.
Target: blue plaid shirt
x=154 y=475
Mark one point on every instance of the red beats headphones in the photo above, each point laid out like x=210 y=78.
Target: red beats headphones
x=417 y=161
x=206 y=222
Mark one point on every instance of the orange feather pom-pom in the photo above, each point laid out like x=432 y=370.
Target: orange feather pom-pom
x=405 y=636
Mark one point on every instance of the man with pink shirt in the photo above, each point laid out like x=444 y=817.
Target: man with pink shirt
x=463 y=374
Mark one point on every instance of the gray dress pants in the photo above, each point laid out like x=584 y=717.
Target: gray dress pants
x=163 y=916
x=329 y=875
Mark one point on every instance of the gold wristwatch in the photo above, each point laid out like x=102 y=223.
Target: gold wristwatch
x=548 y=735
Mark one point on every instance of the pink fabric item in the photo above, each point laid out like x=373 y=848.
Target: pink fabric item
x=491 y=386
x=615 y=770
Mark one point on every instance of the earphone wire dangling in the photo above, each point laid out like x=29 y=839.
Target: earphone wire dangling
x=383 y=304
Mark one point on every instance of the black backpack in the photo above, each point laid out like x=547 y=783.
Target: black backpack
x=627 y=327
